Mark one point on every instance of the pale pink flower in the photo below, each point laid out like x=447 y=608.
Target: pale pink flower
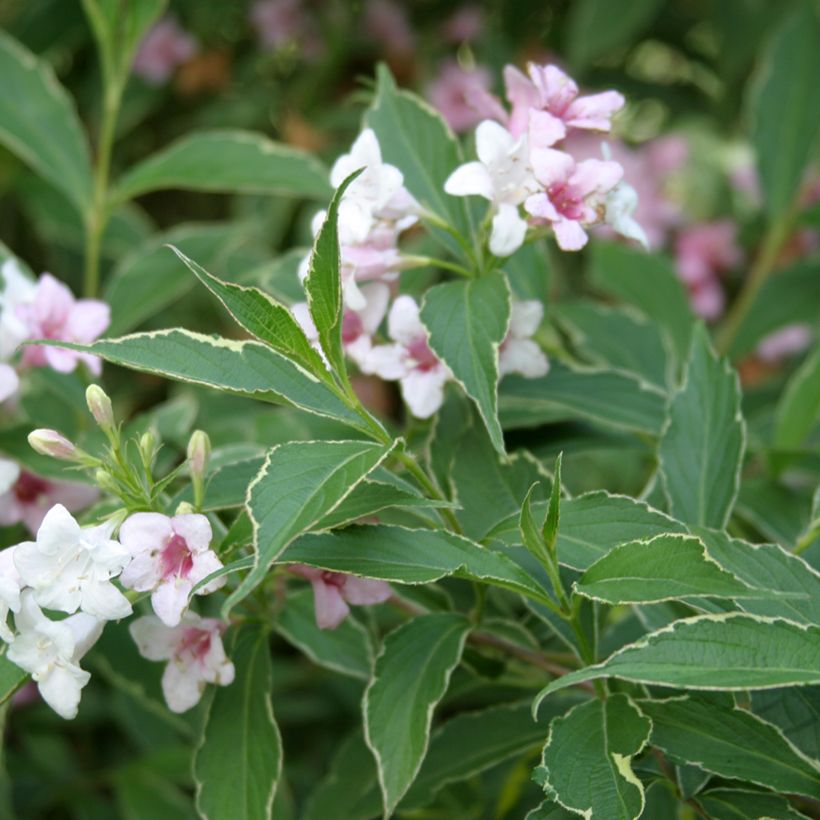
x=169 y=556
x=464 y=25
x=707 y=299
x=358 y=326
x=785 y=342
x=548 y=89
x=281 y=23
x=28 y=497
x=386 y=23
x=55 y=314
x=460 y=95
x=706 y=249
x=333 y=591
x=574 y=194
x=165 y=47
x=194 y=652
x=518 y=353
x=409 y=360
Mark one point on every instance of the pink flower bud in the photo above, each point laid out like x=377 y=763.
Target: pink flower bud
x=100 y=406
x=51 y=443
x=199 y=451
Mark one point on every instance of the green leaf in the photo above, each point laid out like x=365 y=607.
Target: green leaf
x=715 y=735
x=605 y=397
x=594 y=523
x=150 y=278
x=729 y=652
x=240 y=718
x=617 y=338
x=472 y=742
x=786 y=107
x=263 y=317
x=700 y=452
x=414 y=137
x=769 y=567
x=553 y=519
x=467 y=321
x=799 y=406
x=788 y=296
x=118 y=29
x=531 y=535
x=298 y=484
x=796 y=711
x=408 y=556
x=649 y=282
x=38 y=122
x=12 y=677
x=586 y=763
x=324 y=283
x=229 y=162
x=345 y=649
x=740 y=804
x=411 y=676
x=593 y=31
x=248 y=368
x=661 y=569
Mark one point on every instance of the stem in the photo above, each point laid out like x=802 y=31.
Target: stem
x=422 y=261
x=430 y=488
x=806 y=541
x=759 y=273
x=98 y=216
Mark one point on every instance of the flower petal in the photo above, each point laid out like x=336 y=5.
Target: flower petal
x=508 y=231
x=195 y=529
x=470 y=179
x=329 y=605
x=364 y=591
x=154 y=640
x=145 y=532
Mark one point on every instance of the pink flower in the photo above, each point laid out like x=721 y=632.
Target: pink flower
x=166 y=46
x=573 y=195
x=550 y=90
x=409 y=360
x=26 y=497
x=461 y=95
x=56 y=314
x=707 y=299
x=333 y=591
x=281 y=23
x=169 y=556
x=464 y=25
x=784 y=342
x=386 y=23
x=194 y=653
x=706 y=249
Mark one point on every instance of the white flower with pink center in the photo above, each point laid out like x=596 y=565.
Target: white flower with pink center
x=55 y=314
x=410 y=361
x=333 y=591
x=26 y=498
x=551 y=91
x=503 y=176
x=358 y=326
x=10 y=583
x=70 y=567
x=518 y=353
x=573 y=196
x=195 y=655
x=50 y=651
x=169 y=556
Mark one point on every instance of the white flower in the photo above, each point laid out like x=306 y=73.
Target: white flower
x=409 y=360
x=51 y=651
x=378 y=193
x=70 y=567
x=169 y=557
x=194 y=653
x=503 y=176
x=620 y=205
x=9 y=591
x=18 y=290
x=518 y=352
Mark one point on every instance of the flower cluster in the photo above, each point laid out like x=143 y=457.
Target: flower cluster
x=525 y=162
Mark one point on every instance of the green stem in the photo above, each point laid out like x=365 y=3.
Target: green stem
x=806 y=541
x=98 y=216
x=759 y=273
x=421 y=261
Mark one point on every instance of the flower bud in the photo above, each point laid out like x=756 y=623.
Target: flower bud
x=100 y=406
x=185 y=508
x=199 y=451
x=148 y=446
x=106 y=482
x=51 y=443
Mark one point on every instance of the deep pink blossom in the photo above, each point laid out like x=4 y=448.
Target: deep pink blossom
x=165 y=47
x=56 y=314
x=333 y=591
